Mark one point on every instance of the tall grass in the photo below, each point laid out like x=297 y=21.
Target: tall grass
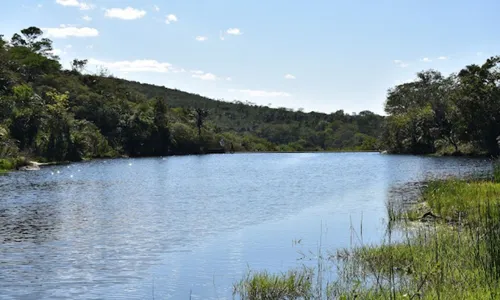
x=295 y=284
x=450 y=248
x=456 y=256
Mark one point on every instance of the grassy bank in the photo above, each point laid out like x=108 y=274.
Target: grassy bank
x=450 y=250
x=9 y=164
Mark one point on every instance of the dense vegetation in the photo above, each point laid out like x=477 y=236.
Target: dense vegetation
x=56 y=114
x=51 y=113
x=455 y=114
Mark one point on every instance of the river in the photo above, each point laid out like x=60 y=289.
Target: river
x=191 y=226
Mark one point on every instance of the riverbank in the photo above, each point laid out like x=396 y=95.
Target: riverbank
x=22 y=163
x=449 y=248
x=11 y=164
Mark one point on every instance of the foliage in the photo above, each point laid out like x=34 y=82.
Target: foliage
x=7 y=164
x=435 y=111
x=58 y=114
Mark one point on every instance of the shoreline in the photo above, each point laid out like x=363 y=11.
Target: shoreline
x=16 y=163
x=441 y=249
x=24 y=164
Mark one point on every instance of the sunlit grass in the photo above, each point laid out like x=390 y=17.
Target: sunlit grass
x=432 y=263
x=295 y=284
x=455 y=256
x=460 y=200
x=450 y=249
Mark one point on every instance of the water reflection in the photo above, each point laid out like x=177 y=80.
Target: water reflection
x=192 y=225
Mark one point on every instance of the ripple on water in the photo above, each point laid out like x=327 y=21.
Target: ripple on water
x=190 y=224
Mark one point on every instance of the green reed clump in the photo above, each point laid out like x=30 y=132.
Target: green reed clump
x=432 y=263
x=461 y=200
x=295 y=284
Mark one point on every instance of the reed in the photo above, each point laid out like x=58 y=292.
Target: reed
x=449 y=248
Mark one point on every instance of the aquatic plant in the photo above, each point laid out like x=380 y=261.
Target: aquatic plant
x=450 y=249
x=295 y=284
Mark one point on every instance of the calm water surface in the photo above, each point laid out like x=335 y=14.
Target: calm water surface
x=189 y=226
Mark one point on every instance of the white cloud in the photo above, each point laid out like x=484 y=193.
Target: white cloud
x=75 y=3
x=400 y=63
x=170 y=19
x=221 y=35
x=57 y=52
x=425 y=59
x=85 y=6
x=139 y=65
x=87 y=18
x=156 y=8
x=260 y=93
x=66 y=31
x=148 y=65
x=201 y=38
x=234 y=31
x=68 y=46
x=127 y=13
x=68 y=2
x=205 y=76
x=90 y=46
x=289 y=76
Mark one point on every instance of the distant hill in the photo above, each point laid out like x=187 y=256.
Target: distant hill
x=58 y=114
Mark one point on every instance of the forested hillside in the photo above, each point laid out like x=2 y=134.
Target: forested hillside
x=457 y=114
x=55 y=114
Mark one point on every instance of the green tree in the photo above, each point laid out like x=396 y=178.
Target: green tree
x=27 y=114
x=479 y=103
x=78 y=65
x=161 y=133
x=200 y=116
x=32 y=39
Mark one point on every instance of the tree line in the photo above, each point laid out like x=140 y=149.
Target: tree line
x=53 y=113
x=454 y=114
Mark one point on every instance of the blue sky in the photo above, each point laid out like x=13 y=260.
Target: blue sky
x=317 y=55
